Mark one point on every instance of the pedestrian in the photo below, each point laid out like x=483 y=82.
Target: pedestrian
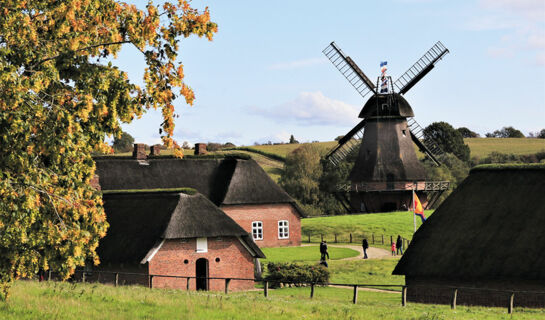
x=324 y=263
x=393 y=248
x=365 y=246
x=399 y=244
x=322 y=250
x=326 y=254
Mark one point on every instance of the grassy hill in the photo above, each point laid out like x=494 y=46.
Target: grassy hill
x=480 y=147
x=50 y=300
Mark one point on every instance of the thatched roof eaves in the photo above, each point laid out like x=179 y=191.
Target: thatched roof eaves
x=139 y=221
x=490 y=227
x=189 y=191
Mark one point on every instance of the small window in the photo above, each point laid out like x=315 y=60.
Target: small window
x=283 y=229
x=257 y=230
x=202 y=245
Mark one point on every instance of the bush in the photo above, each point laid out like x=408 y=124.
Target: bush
x=297 y=274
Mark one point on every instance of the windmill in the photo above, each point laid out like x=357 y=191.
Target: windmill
x=387 y=169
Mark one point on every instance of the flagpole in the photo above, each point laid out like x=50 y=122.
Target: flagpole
x=414 y=213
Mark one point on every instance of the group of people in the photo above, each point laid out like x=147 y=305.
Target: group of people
x=397 y=248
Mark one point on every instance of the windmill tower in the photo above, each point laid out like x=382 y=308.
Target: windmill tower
x=387 y=169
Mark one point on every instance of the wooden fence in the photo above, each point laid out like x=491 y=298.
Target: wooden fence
x=353 y=238
x=84 y=276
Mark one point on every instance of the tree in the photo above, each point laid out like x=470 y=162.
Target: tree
x=123 y=143
x=448 y=139
x=59 y=97
x=541 y=134
x=466 y=133
x=506 y=132
x=292 y=140
x=301 y=174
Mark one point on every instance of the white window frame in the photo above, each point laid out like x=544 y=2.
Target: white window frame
x=257 y=230
x=202 y=245
x=283 y=229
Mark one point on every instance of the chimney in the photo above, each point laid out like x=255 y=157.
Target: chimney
x=139 y=152
x=200 y=148
x=155 y=150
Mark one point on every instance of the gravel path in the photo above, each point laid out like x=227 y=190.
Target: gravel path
x=372 y=252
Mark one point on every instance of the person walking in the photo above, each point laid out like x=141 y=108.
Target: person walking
x=323 y=250
x=365 y=246
x=393 y=248
x=399 y=244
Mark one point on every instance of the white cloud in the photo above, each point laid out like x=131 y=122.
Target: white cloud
x=297 y=64
x=281 y=136
x=523 y=22
x=311 y=108
x=192 y=136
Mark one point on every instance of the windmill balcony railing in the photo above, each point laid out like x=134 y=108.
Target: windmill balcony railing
x=394 y=186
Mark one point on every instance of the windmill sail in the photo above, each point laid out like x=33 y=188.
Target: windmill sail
x=349 y=70
x=420 y=68
x=346 y=144
x=426 y=144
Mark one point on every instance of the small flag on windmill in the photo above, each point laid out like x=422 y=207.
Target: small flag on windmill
x=384 y=80
x=417 y=208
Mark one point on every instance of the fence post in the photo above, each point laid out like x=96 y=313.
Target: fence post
x=511 y=303
x=373 y=237
x=266 y=289
x=83 y=277
x=150 y=281
x=49 y=275
x=454 y=296
x=404 y=296
x=227 y=281
x=335 y=238
x=187 y=284
x=404 y=244
x=350 y=238
x=355 y=298
x=312 y=290
x=116 y=279
x=309 y=238
x=382 y=238
x=391 y=240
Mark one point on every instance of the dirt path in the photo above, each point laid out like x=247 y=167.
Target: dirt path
x=372 y=252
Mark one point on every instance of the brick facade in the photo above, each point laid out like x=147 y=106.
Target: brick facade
x=226 y=257
x=269 y=214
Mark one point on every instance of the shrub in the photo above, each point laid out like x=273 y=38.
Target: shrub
x=297 y=274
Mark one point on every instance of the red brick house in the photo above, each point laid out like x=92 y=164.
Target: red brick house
x=240 y=187
x=177 y=234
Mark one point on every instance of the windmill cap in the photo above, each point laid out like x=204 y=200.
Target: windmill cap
x=396 y=105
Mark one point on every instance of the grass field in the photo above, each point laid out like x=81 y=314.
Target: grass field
x=307 y=254
x=480 y=147
x=388 y=224
x=34 y=300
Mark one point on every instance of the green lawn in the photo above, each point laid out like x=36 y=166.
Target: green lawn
x=360 y=225
x=33 y=300
x=306 y=254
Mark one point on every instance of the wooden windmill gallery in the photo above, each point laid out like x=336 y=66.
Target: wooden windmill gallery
x=387 y=169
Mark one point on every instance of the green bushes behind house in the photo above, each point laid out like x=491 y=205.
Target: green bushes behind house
x=297 y=274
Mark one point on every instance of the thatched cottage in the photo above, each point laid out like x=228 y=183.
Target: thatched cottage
x=489 y=233
x=240 y=187
x=176 y=233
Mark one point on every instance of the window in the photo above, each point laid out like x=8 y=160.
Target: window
x=283 y=229
x=257 y=230
x=202 y=245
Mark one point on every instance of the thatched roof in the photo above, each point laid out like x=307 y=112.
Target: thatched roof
x=140 y=221
x=490 y=227
x=223 y=181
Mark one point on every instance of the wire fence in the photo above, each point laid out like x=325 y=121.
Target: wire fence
x=433 y=294
x=355 y=238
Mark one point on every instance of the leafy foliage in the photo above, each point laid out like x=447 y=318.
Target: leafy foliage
x=448 y=139
x=295 y=273
x=302 y=171
x=59 y=98
x=292 y=140
x=123 y=143
x=466 y=133
x=506 y=132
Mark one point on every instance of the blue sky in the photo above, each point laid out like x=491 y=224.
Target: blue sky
x=264 y=76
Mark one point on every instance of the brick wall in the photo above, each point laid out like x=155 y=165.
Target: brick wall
x=234 y=261
x=270 y=214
